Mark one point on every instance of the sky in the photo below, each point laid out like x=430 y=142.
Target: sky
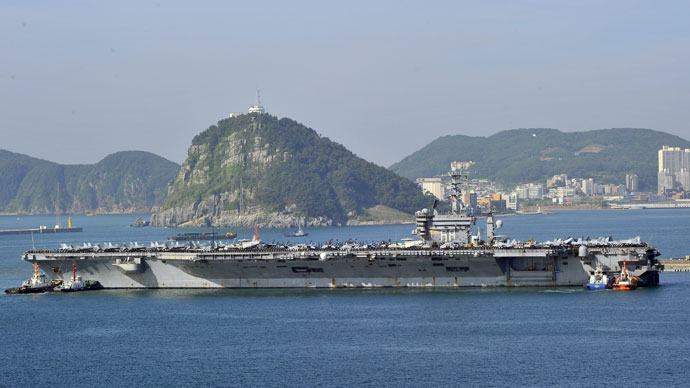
x=82 y=79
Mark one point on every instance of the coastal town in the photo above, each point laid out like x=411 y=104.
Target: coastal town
x=561 y=192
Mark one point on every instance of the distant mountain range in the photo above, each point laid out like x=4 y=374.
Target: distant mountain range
x=532 y=155
x=276 y=172
x=256 y=168
x=129 y=181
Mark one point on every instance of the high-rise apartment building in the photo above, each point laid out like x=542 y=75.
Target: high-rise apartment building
x=631 y=182
x=588 y=187
x=674 y=168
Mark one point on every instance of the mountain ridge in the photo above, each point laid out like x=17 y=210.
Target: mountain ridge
x=122 y=182
x=535 y=154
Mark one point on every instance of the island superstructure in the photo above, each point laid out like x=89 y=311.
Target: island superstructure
x=448 y=252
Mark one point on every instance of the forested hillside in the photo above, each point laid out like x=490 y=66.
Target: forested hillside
x=258 y=168
x=129 y=181
x=531 y=155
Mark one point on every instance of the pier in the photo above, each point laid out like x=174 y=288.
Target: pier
x=40 y=230
x=44 y=229
x=676 y=265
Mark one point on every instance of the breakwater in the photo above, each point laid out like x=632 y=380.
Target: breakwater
x=676 y=265
x=40 y=230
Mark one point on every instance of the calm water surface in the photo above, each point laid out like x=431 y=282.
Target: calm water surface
x=478 y=337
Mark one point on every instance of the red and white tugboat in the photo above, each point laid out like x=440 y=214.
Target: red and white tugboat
x=625 y=281
x=74 y=284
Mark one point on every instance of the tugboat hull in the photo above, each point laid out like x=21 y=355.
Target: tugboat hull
x=28 y=290
x=88 y=286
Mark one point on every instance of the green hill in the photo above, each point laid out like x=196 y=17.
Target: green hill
x=130 y=181
x=531 y=155
x=280 y=172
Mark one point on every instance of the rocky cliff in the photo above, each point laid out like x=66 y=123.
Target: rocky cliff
x=258 y=169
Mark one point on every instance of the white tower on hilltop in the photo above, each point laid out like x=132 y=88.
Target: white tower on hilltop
x=257 y=108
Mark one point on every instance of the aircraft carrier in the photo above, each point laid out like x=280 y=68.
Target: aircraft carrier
x=449 y=251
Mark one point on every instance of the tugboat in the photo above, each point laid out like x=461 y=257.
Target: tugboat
x=37 y=284
x=298 y=233
x=625 y=281
x=78 y=284
x=598 y=280
x=74 y=284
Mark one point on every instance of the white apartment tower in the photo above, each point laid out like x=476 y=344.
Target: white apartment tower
x=588 y=187
x=631 y=183
x=674 y=168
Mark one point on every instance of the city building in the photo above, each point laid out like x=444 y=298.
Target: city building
x=674 y=163
x=469 y=200
x=461 y=166
x=498 y=206
x=562 y=192
x=666 y=182
x=535 y=191
x=609 y=189
x=631 y=183
x=588 y=187
x=557 y=181
x=530 y=191
x=673 y=159
x=512 y=203
x=683 y=179
x=432 y=186
x=492 y=204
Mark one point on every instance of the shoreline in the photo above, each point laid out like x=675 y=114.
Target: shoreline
x=75 y=214
x=565 y=208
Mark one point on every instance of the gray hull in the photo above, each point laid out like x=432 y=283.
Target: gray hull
x=265 y=268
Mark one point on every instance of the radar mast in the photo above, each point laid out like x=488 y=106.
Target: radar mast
x=458 y=181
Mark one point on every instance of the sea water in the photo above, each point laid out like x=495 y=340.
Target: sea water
x=381 y=337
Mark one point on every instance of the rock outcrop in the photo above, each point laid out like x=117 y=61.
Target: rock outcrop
x=258 y=169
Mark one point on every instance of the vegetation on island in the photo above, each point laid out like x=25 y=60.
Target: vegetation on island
x=534 y=155
x=279 y=165
x=121 y=182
